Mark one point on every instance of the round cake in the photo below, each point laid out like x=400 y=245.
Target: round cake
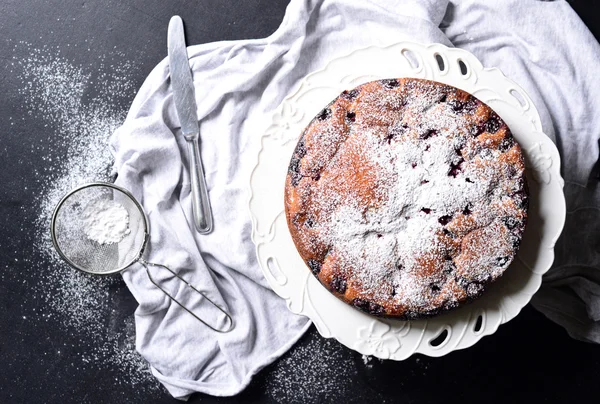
x=406 y=197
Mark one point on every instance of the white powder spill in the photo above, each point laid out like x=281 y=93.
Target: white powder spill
x=317 y=371
x=105 y=221
x=56 y=92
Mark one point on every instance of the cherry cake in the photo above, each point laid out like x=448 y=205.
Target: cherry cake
x=406 y=197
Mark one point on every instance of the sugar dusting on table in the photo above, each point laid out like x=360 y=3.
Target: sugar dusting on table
x=315 y=371
x=56 y=92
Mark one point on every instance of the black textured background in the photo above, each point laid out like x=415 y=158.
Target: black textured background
x=528 y=360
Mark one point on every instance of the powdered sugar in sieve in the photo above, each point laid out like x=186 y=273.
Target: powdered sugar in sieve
x=105 y=221
x=100 y=228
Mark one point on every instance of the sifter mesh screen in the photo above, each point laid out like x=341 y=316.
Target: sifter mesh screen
x=73 y=225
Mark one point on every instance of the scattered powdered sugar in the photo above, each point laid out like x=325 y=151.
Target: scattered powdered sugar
x=57 y=92
x=105 y=221
x=316 y=371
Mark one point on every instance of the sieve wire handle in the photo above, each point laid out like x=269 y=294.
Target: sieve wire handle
x=146 y=264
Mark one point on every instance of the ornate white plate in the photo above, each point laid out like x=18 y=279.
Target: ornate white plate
x=389 y=339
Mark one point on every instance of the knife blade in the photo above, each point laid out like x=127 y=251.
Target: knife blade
x=185 y=105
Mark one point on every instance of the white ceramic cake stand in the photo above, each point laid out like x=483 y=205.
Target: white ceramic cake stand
x=390 y=339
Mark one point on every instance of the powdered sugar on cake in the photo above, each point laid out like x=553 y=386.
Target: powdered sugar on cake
x=399 y=194
x=400 y=227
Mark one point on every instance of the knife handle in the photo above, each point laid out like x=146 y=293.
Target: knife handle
x=200 y=203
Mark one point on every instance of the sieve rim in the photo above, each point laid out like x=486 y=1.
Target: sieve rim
x=90 y=185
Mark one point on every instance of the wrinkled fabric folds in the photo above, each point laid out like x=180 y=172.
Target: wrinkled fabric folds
x=240 y=83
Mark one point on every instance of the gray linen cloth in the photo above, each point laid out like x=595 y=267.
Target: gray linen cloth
x=242 y=82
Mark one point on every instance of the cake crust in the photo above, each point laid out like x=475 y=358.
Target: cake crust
x=406 y=197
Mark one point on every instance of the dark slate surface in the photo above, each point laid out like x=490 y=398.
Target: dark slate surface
x=43 y=358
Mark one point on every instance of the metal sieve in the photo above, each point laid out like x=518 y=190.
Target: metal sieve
x=70 y=230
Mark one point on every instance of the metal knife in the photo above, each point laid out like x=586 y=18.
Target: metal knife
x=185 y=104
